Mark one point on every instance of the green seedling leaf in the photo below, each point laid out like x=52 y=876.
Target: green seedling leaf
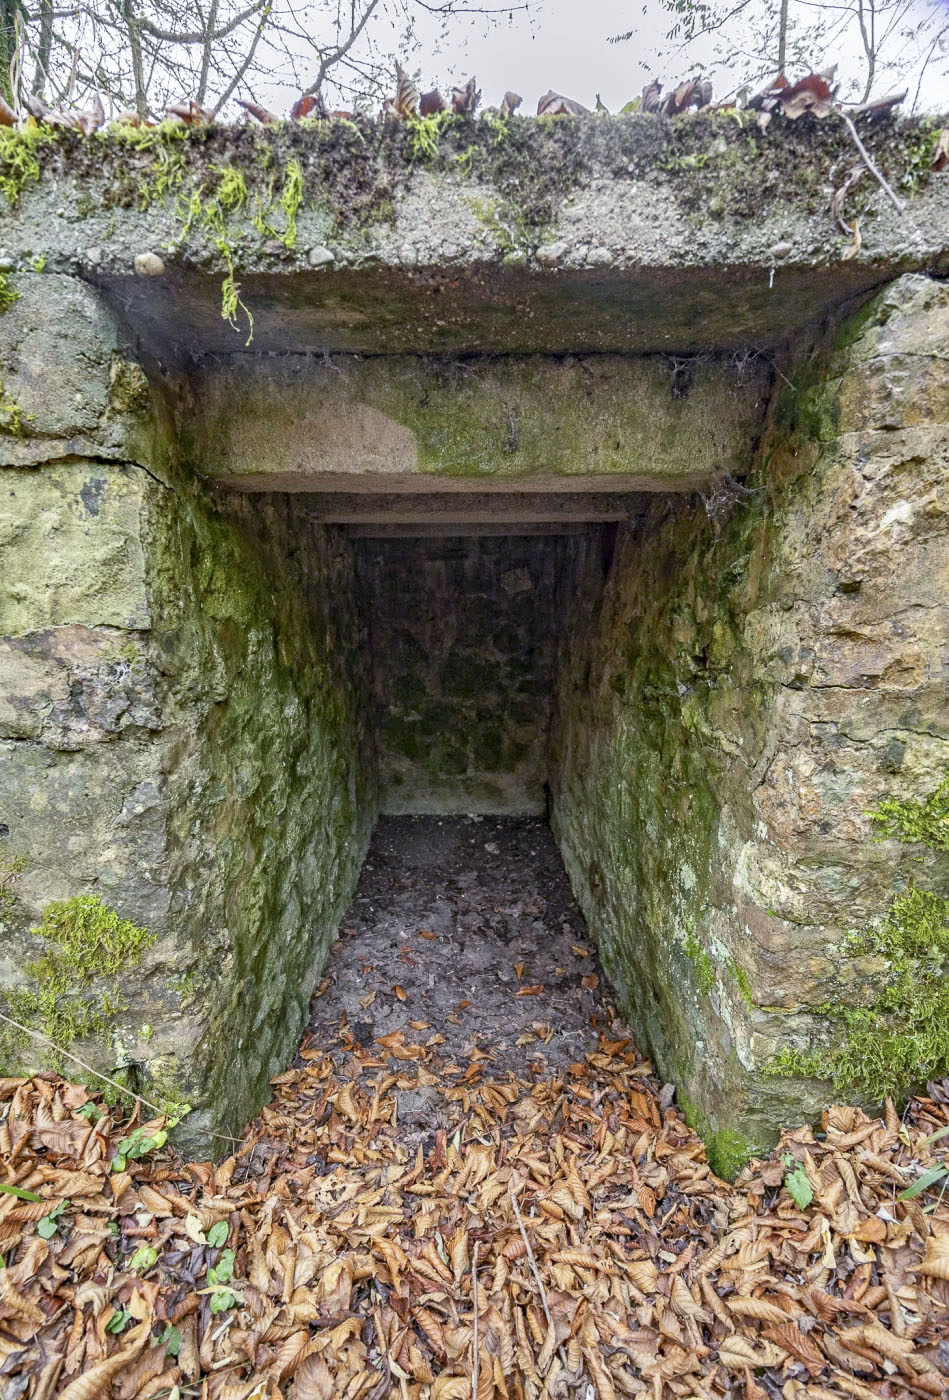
x=137 y=1145
x=47 y=1227
x=927 y=1179
x=92 y=1111
x=798 y=1186
x=143 y=1258
x=217 y=1235
x=19 y=1192
x=223 y=1270
x=170 y=1339
x=119 y=1320
x=221 y=1300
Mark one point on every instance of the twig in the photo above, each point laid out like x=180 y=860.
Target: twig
x=530 y=1257
x=534 y=1269
x=898 y=204
x=129 y=1093
x=474 y=1296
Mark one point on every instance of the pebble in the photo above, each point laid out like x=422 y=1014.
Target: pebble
x=94 y=256
x=781 y=250
x=551 y=253
x=320 y=256
x=149 y=265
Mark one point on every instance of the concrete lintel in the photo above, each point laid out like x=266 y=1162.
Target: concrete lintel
x=527 y=508
x=395 y=423
x=445 y=531
x=418 y=484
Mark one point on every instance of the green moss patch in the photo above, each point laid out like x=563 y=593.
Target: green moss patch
x=926 y=821
x=704 y=967
x=77 y=975
x=902 y=1038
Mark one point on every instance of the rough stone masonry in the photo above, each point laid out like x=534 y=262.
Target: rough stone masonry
x=570 y=466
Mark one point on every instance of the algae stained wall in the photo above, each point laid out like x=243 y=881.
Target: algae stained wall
x=463 y=633
x=734 y=701
x=271 y=787
x=184 y=736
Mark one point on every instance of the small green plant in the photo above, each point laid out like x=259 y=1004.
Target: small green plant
x=211 y=212
x=38 y=264
x=170 y=1339
x=8 y=293
x=47 y=1227
x=291 y=197
x=217 y=1235
x=932 y=1177
x=219 y=1277
x=20 y=1192
x=12 y=417
x=144 y=1258
x=19 y=165
x=426 y=134
x=796 y=1180
x=919 y=148
x=139 y=1144
x=118 y=1322
x=94 y=1112
x=692 y=161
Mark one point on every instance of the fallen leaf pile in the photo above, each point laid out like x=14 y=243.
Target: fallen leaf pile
x=562 y=1237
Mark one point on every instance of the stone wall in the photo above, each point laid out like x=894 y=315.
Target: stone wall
x=183 y=735
x=734 y=700
x=462 y=643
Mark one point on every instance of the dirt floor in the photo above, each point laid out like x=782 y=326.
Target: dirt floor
x=479 y=1192
x=464 y=935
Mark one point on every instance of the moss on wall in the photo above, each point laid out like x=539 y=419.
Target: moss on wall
x=271 y=791
x=749 y=698
x=74 y=989
x=183 y=715
x=901 y=1038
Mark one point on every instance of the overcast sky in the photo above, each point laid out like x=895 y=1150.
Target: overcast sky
x=564 y=45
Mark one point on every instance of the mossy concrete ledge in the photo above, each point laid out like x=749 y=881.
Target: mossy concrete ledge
x=555 y=235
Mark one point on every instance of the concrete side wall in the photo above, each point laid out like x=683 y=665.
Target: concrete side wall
x=463 y=634
x=183 y=736
x=733 y=701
